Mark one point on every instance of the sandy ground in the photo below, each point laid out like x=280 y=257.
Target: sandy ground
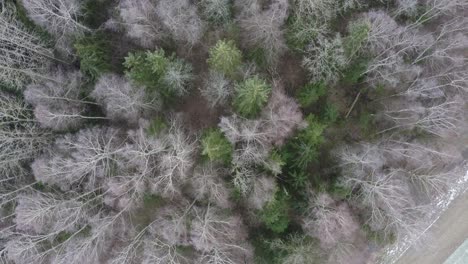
x=447 y=234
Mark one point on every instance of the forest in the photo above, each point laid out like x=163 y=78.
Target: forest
x=227 y=131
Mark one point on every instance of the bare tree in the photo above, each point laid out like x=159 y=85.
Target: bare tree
x=440 y=119
x=178 y=77
x=436 y=8
x=150 y=21
x=264 y=29
x=156 y=164
x=407 y=7
x=207 y=183
x=57 y=103
x=58 y=17
x=158 y=241
x=331 y=222
x=217 y=11
x=451 y=80
x=175 y=162
x=325 y=59
x=263 y=191
x=391 y=204
x=20 y=137
x=282 y=116
x=140 y=21
x=299 y=249
x=45 y=214
x=21 y=249
x=23 y=56
x=217 y=89
x=324 y=10
x=90 y=248
x=171 y=224
x=181 y=20
x=441 y=49
x=158 y=251
x=85 y=158
x=122 y=100
x=220 y=238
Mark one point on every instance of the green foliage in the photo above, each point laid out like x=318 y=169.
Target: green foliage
x=310 y=93
x=158 y=72
x=94 y=55
x=301 y=31
x=355 y=71
x=420 y=15
x=62 y=237
x=141 y=70
x=274 y=163
x=152 y=201
x=225 y=57
x=258 y=56
x=275 y=213
x=298 y=179
x=356 y=39
x=297 y=248
x=93 y=12
x=252 y=95
x=22 y=15
x=366 y=123
x=156 y=126
x=236 y=194
x=312 y=134
x=330 y=113
x=378 y=237
x=264 y=253
x=216 y=11
x=157 y=61
x=216 y=147
x=302 y=150
x=339 y=191
x=305 y=154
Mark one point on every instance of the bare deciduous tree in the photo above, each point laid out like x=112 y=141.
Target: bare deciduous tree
x=217 y=89
x=181 y=20
x=264 y=29
x=45 y=214
x=218 y=236
x=329 y=221
x=140 y=21
x=440 y=119
x=207 y=183
x=299 y=248
x=282 y=116
x=121 y=100
x=175 y=161
x=324 y=10
x=436 y=8
x=20 y=137
x=263 y=191
x=57 y=103
x=217 y=11
x=325 y=59
x=85 y=158
x=90 y=248
x=23 y=56
x=392 y=205
x=58 y=17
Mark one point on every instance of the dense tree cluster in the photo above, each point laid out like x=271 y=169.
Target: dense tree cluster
x=226 y=132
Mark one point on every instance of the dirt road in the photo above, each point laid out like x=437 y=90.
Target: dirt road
x=448 y=233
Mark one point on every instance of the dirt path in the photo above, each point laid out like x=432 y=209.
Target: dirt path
x=448 y=233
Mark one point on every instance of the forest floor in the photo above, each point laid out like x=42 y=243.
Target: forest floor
x=447 y=234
